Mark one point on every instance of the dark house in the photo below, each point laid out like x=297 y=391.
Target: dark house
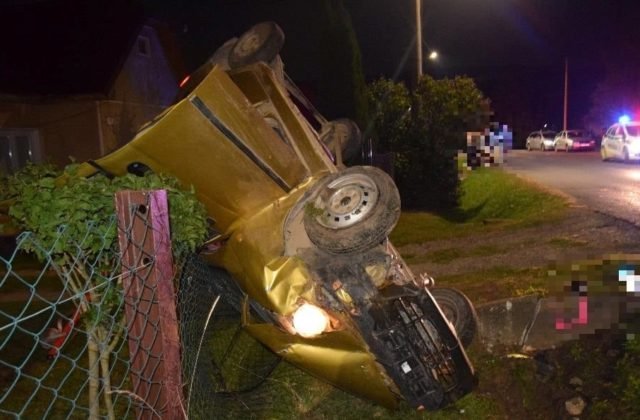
x=77 y=78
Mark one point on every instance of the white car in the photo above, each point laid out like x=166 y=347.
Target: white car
x=568 y=140
x=541 y=140
x=621 y=141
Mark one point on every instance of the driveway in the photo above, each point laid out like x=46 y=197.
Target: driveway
x=609 y=187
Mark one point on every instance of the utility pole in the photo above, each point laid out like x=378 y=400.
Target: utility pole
x=566 y=93
x=418 y=40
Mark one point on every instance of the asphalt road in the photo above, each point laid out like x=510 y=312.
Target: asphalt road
x=609 y=187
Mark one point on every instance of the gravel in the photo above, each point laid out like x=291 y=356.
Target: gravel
x=584 y=234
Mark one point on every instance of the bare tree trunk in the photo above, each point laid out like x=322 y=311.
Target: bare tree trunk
x=106 y=377
x=94 y=377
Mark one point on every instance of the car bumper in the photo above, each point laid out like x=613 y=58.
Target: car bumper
x=583 y=146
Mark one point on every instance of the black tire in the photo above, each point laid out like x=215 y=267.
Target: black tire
x=458 y=310
x=221 y=56
x=343 y=133
x=352 y=210
x=262 y=42
x=625 y=155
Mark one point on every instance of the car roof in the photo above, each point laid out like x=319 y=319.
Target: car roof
x=630 y=123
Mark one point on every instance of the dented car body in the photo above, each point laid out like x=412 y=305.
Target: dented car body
x=305 y=241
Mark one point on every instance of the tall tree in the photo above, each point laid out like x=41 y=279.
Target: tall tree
x=341 y=86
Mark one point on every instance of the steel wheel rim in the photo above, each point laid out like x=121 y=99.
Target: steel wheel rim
x=248 y=45
x=347 y=201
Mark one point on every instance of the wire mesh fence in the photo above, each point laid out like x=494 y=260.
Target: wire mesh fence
x=124 y=331
x=55 y=323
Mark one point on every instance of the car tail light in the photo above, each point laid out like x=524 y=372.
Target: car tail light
x=184 y=81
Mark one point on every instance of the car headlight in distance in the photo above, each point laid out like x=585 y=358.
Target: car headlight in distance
x=310 y=320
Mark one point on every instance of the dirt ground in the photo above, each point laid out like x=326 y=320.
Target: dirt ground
x=538 y=384
x=582 y=234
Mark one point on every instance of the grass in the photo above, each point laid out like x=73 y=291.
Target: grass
x=294 y=394
x=33 y=386
x=490 y=199
x=446 y=255
x=504 y=283
x=562 y=242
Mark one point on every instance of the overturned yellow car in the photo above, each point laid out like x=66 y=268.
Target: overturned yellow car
x=305 y=241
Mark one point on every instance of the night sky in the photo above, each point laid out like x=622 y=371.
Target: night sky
x=514 y=49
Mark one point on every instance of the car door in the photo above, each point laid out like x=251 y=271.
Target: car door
x=537 y=141
x=613 y=141
x=529 y=143
x=617 y=142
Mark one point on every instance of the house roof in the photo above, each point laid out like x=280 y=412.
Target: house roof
x=65 y=47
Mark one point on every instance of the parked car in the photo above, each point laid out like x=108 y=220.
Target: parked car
x=571 y=140
x=306 y=241
x=540 y=140
x=621 y=141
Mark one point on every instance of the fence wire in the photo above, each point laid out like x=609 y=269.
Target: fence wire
x=75 y=344
x=226 y=372
x=52 y=317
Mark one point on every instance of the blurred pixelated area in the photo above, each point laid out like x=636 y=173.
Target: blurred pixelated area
x=487 y=148
x=597 y=295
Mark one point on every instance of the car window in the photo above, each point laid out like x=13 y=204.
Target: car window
x=633 y=130
x=575 y=133
x=619 y=130
x=548 y=134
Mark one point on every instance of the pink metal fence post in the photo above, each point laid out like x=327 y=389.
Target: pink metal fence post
x=150 y=307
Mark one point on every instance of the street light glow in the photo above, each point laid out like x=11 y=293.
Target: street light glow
x=433 y=55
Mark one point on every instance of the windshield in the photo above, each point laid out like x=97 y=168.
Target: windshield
x=633 y=130
x=548 y=134
x=575 y=133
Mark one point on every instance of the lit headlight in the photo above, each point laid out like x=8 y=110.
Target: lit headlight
x=310 y=320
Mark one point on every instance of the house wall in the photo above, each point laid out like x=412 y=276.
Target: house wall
x=66 y=128
x=146 y=76
x=86 y=128
x=144 y=87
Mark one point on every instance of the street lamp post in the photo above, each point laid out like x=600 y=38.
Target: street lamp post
x=418 y=40
x=566 y=93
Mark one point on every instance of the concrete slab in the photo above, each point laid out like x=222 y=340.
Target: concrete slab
x=504 y=322
x=540 y=323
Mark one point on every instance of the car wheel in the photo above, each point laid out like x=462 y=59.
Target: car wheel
x=625 y=155
x=262 y=42
x=343 y=133
x=555 y=148
x=352 y=210
x=528 y=146
x=459 y=311
x=221 y=56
